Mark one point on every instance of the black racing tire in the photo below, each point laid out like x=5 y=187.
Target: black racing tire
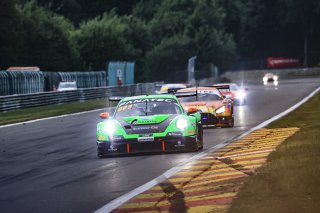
x=231 y=123
x=200 y=136
x=100 y=154
x=231 y=120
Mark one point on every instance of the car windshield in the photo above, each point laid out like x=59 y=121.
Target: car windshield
x=234 y=87
x=145 y=107
x=203 y=95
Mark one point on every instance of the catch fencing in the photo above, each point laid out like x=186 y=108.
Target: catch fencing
x=21 y=82
x=85 y=79
x=26 y=82
x=14 y=102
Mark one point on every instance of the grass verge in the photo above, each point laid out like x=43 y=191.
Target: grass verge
x=290 y=179
x=48 y=111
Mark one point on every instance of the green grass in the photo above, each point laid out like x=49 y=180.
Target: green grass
x=290 y=180
x=52 y=110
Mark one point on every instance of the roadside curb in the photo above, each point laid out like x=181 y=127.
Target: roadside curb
x=213 y=181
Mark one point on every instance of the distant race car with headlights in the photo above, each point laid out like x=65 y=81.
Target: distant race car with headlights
x=149 y=123
x=269 y=77
x=238 y=95
x=216 y=110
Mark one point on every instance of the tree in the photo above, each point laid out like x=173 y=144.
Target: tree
x=146 y=9
x=9 y=43
x=206 y=26
x=168 y=60
x=170 y=19
x=181 y=29
x=109 y=38
x=234 y=17
x=46 y=39
x=83 y=10
x=305 y=15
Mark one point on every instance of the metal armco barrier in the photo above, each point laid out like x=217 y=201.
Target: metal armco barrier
x=13 y=102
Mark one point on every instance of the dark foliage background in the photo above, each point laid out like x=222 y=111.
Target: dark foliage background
x=159 y=36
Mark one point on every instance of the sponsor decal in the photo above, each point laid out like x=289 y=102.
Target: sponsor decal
x=112 y=148
x=175 y=134
x=117 y=137
x=224 y=91
x=166 y=100
x=144 y=139
x=137 y=128
x=144 y=121
x=146 y=135
x=125 y=107
x=207 y=92
x=134 y=122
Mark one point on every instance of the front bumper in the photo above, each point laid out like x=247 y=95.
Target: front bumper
x=162 y=145
x=208 y=119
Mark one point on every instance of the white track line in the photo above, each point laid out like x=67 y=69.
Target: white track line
x=124 y=198
x=49 y=118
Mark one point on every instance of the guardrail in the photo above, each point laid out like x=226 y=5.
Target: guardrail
x=13 y=102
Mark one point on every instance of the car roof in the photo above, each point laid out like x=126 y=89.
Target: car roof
x=149 y=97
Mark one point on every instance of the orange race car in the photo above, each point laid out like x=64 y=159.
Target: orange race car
x=237 y=94
x=216 y=110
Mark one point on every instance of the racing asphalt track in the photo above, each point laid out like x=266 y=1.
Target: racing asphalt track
x=51 y=165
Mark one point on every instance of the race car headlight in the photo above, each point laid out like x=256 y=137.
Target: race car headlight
x=182 y=123
x=265 y=79
x=241 y=95
x=109 y=128
x=275 y=78
x=221 y=110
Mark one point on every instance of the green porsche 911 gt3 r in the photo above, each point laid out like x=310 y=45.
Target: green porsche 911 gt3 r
x=149 y=123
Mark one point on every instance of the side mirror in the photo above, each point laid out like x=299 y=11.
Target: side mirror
x=192 y=110
x=104 y=115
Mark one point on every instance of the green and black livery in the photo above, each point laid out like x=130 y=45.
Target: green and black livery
x=149 y=123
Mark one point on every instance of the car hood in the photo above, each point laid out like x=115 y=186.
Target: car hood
x=146 y=124
x=143 y=120
x=209 y=106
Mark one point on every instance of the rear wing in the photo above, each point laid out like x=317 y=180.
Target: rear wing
x=222 y=88
x=116 y=98
x=186 y=94
x=173 y=90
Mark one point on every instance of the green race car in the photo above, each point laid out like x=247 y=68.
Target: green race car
x=149 y=123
